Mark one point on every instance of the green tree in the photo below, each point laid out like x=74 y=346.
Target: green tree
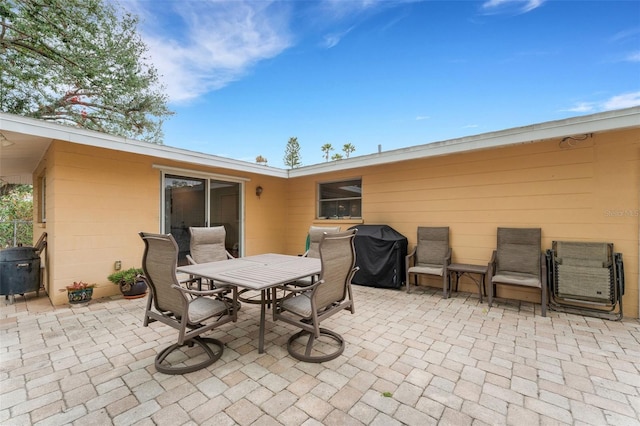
x=348 y=148
x=16 y=214
x=326 y=150
x=292 y=153
x=261 y=160
x=336 y=156
x=81 y=63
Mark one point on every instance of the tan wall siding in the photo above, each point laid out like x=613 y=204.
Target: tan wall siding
x=572 y=193
x=103 y=198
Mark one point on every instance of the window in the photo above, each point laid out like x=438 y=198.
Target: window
x=341 y=199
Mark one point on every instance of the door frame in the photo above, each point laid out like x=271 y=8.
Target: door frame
x=188 y=173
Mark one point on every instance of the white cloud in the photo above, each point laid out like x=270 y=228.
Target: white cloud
x=633 y=57
x=582 y=107
x=331 y=40
x=625 y=100
x=521 y=6
x=210 y=43
x=422 y=117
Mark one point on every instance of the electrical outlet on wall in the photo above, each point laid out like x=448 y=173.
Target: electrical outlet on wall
x=117 y=265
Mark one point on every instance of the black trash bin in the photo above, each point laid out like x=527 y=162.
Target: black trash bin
x=19 y=271
x=380 y=255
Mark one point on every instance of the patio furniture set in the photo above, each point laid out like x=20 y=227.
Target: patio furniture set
x=579 y=277
x=304 y=290
x=209 y=297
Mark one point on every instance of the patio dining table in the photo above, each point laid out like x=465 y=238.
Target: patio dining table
x=260 y=272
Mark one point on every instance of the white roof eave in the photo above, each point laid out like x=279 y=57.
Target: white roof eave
x=594 y=123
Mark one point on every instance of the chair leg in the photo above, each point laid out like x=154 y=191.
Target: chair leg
x=308 y=355
x=490 y=293
x=203 y=342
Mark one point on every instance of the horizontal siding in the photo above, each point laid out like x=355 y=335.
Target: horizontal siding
x=571 y=194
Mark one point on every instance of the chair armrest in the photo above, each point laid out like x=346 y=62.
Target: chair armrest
x=229 y=256
x=409 y=256
x=219 y=290
x=190 y=260
x=296 y=289
x=492 y=264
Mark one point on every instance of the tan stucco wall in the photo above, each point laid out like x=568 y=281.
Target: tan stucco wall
x=588 y=192
x=103 y=198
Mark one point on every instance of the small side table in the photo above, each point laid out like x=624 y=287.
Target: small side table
x=459 y=269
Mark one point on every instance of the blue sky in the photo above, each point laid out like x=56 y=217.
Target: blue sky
x=244 y=77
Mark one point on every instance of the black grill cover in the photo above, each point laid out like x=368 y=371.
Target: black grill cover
x=380 y=253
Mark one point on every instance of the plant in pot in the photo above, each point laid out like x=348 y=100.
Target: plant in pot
x=130 y=281
x=79 y=292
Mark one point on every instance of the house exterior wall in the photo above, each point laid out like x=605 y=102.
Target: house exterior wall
x=99 y=199
x=573 y=190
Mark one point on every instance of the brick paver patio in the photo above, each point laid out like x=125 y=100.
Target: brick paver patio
x=411 y=359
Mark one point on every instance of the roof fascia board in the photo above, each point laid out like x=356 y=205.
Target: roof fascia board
x=610 y=120
x=41 y=128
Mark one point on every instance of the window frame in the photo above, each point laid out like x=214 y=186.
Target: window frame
x=354 y=202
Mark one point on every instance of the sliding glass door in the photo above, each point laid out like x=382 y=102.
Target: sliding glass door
x=224 y=210
x=195 y=201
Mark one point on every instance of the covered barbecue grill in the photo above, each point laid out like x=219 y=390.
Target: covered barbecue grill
x=380 y=253
x=19 y=271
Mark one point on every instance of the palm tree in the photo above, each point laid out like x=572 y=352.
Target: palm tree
x=326 y=149
x=348 y=148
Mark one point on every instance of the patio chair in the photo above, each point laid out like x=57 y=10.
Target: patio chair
x=586 y=278
x=519 y=261
x=207 y=244
x=307 y=307
x=431 y=256
x=313 y=250
x=191 y=312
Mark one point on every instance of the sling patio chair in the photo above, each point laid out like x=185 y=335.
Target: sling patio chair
x=518 y=261
x=207 y=244
x=191 y=312
x=431 y=256
x=307 y=307
x=313 y=250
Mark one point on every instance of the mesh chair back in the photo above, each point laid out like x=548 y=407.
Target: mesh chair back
x=338 y=258
x=315 y=235
x=596 y=255
x=208 y=244
x=433 y=245
x=159 y=262
x=518 y=250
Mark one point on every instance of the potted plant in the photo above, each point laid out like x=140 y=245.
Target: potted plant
x=130 y=281
x=80 y=292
